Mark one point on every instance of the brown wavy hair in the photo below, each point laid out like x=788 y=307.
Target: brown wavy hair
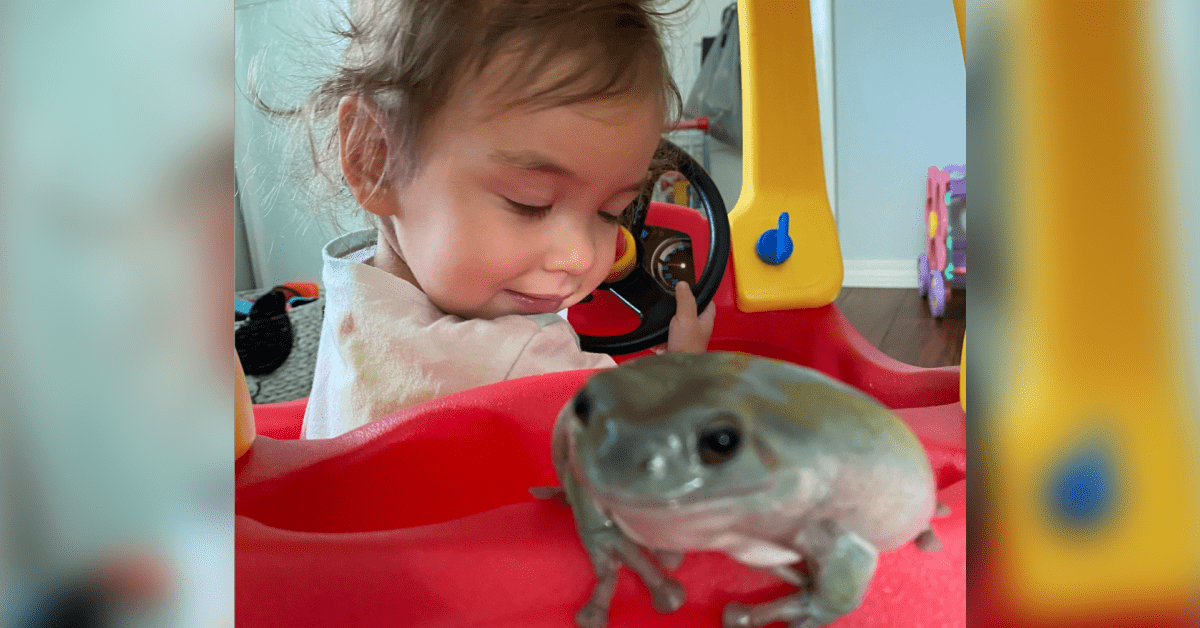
x=408 y=56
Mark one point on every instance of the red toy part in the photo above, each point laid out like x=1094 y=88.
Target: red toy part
x=700 y=123
x=304 y=289
x=424 y=519
x=281 y=421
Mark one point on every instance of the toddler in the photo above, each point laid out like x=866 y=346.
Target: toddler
x=497 y=145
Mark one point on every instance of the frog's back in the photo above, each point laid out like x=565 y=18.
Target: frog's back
x=879 y=477
x=837 y=414
x=804 y=402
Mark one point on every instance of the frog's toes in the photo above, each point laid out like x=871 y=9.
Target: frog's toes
x=941 y=510
x=668 y=596
x=928 y=541
x=592 y=615
x=736 y=615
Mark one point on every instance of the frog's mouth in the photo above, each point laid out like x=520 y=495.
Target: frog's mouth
x=689 y=495
x=715 y=499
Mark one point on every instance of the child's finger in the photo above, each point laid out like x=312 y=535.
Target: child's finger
x=708 y=318
x=685 y=301
x=685 y=331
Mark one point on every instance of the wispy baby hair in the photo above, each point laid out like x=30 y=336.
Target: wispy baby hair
x=408 y=56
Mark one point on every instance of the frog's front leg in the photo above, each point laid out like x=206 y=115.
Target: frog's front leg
x=841 y=564
x=666 y=594
x=609 y=548
x=594 y=614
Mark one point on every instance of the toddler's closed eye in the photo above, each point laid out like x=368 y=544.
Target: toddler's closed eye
x=534 y=211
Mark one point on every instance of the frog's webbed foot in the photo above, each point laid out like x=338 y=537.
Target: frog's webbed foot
x=841 y=564
x=609 y=550
x=738 y=615
x=666 y=594
x=594 y=614
x=928 y=541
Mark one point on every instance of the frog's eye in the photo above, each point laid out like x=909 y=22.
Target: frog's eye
x=719 y=441
x=583 y=407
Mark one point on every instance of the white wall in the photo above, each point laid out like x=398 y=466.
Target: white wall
x=243 y=272
x=901 y=107
x=284 y=232
x=703 y=19
x=1179 y=51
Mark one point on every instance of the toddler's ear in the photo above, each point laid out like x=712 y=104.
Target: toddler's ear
x=364 y=154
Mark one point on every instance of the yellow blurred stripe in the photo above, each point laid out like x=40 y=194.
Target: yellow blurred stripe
x=1097 y=348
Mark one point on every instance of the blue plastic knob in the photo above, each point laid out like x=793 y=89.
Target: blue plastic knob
x=774 y=245
x=1082 y=488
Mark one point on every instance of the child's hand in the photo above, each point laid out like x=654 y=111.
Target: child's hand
x=689 y=333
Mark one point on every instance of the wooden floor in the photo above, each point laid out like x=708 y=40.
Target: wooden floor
x=897 y=320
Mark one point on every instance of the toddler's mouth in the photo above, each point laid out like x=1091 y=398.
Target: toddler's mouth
x=537 y=303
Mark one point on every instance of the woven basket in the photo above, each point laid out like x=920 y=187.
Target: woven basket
x=294 y=378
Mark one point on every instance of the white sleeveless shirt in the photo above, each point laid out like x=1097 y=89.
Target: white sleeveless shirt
x=385 y=346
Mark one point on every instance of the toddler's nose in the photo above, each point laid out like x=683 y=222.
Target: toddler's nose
x=571 y=251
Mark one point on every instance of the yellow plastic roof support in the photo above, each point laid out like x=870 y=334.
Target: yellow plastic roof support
x=782 y=165
x=962 y=376
x=243 y=411
x=960 y=14
x=1098 y=385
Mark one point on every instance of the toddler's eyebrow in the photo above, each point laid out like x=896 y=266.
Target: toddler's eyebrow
x=537 y=162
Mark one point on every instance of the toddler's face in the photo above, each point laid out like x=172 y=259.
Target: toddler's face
x=514 y=212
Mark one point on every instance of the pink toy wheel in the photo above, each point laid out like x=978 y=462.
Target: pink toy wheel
x=937 y=294
x=923 y=274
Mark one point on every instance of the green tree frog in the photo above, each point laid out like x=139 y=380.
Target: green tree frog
x=771 y=463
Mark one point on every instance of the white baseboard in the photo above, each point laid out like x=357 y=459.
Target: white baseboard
x=880 y=273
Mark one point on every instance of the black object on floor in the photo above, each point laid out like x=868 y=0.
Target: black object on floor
x=265 y=341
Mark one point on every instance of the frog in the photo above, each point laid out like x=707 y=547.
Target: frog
x=776 y=465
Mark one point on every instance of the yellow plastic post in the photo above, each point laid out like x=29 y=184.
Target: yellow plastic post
x=680 y=193
x=960 y=15
x=243 y=411
x=782 y=166
x=1098 y=358
x=962 y=376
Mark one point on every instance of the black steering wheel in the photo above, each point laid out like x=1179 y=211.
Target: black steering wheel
x=642 y=292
